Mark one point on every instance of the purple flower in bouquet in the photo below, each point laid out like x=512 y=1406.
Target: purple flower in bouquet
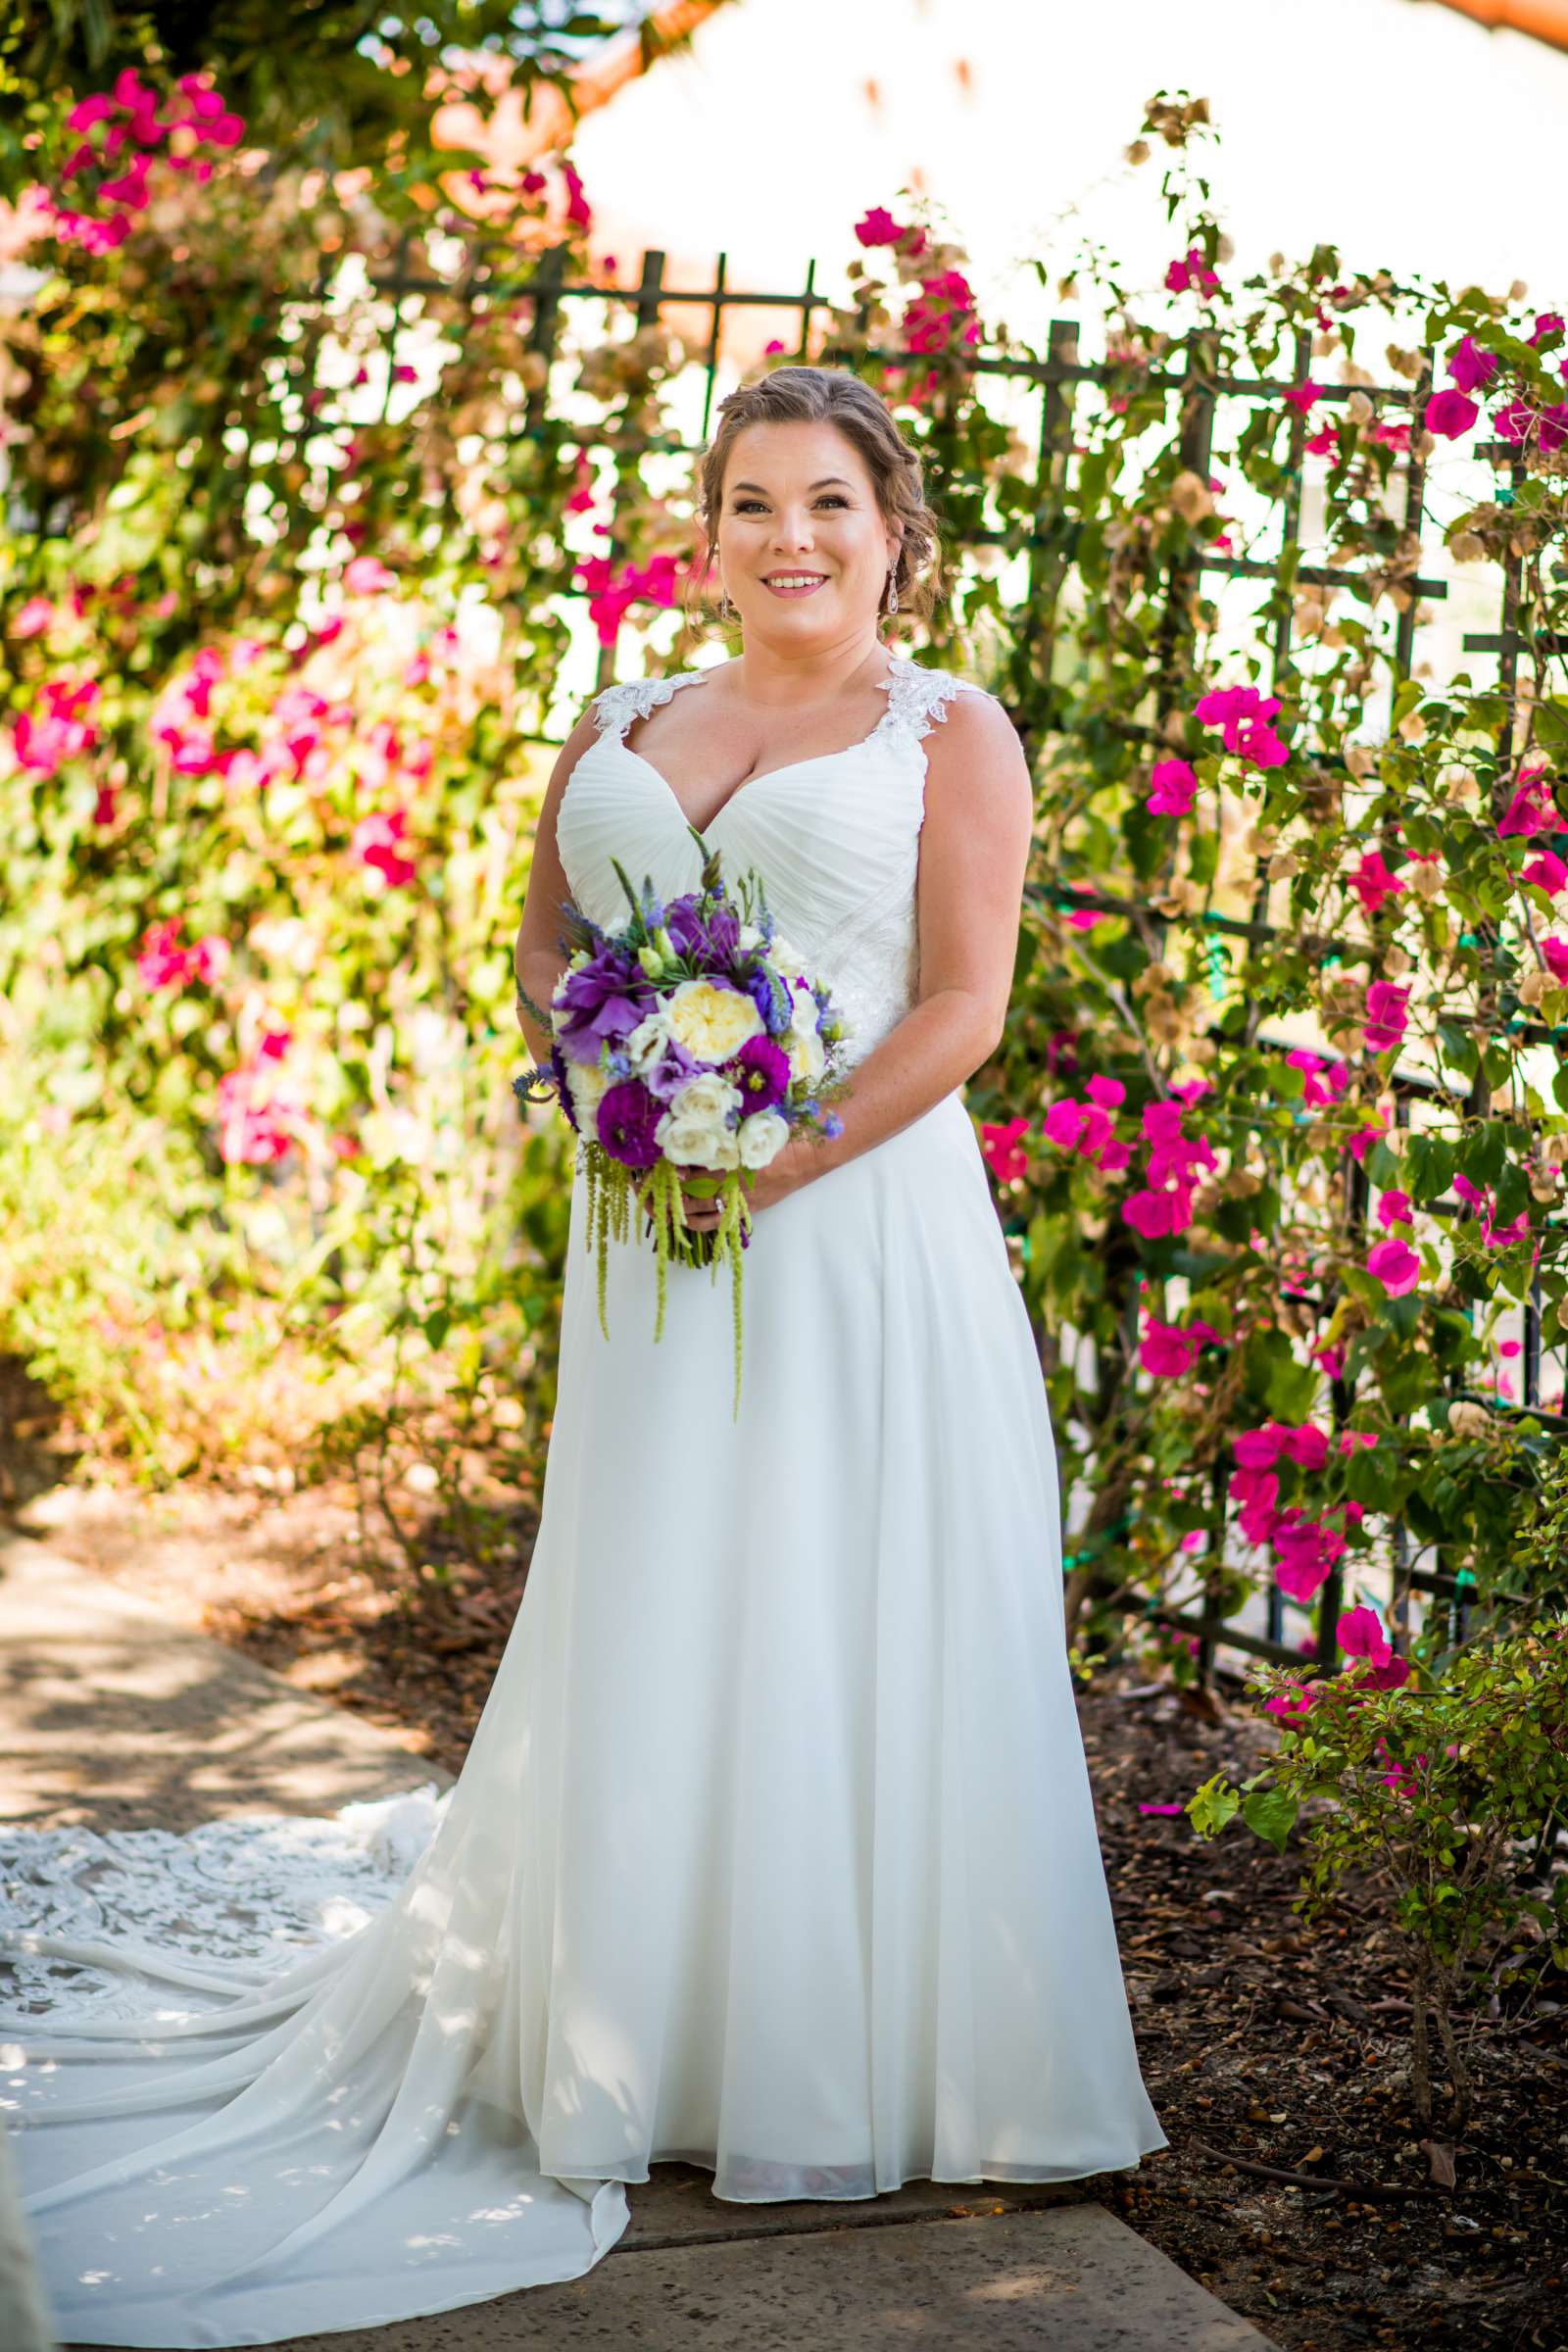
x=761 y=1071
x=676 y=1064
x=605 y=999
x=628 y=1115
x=714 y=941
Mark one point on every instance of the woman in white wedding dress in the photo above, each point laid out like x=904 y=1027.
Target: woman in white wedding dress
x=774 y=1849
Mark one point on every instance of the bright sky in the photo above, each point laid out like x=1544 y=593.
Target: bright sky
x=1406 y=132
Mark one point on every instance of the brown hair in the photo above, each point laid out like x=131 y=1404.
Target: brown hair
x=835 y=396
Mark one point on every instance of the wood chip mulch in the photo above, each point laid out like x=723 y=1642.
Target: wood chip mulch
x=1295 y=2187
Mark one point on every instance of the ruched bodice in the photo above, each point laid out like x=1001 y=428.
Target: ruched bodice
x=835 y=838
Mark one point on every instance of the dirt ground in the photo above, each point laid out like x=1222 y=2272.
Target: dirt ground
x=1267 y=2049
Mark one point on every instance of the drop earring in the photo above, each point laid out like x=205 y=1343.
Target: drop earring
x=893 y=591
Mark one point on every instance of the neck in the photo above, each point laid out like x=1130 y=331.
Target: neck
x=776 y=675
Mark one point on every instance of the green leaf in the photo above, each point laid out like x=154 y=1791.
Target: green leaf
x=1272 y=1814
x=1212 y=1806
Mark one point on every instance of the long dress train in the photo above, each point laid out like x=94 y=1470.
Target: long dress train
x=774 y=1848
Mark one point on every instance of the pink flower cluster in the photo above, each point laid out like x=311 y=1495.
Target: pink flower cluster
x=1373 y=883
x=1002 y=1147
x=1449 y=414
x=165 y=962
x=379 y=843
x=1164 y=1204
x=1320 y=1093
x=1244 y=716
x=944 y=310
x=1169 y=1351
x=259 y=1118
x=1192 y=273
x=123 y=152
x=1387 y=1015
x=57 y=728
x=1304 y=1549
x=1087 y=1127
x=1361 y=1635
x=1533 y=807
x=612 y=588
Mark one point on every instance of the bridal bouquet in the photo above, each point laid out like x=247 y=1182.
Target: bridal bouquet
x=689 y=1047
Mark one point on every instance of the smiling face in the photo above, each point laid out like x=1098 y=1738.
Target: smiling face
x=802 y=550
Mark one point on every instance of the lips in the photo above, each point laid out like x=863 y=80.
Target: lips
x=819 y=582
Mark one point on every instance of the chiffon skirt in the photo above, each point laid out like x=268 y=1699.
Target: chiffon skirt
x=773 y=1852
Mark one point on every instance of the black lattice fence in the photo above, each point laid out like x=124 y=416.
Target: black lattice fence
x=490 y=278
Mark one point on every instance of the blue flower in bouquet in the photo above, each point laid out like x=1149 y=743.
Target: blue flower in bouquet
x=605 y=999
x=628 y=1117
x=761 y=1071
x=772 y=1001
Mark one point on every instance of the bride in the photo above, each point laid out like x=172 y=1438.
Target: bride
x=774 y=1850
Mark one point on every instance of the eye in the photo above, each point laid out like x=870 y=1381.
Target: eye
x=828 y=498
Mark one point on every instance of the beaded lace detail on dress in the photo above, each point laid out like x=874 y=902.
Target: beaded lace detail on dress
x=219 y=1908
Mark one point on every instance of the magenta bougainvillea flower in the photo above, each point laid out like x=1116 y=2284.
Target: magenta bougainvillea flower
x=1002 y=1147
x=1395 y=1265
x=1087 y=1127
x=1192 y=273
x=1293 y=1698
x=1393 y=1208
x=1168 y=1349
x=878 y=227
x=1304 y=1552
x=1386 y=1015
x=1554 y=951
x=1244 y=716
x=1546 y=871
x=57 y=728
x=1301 y=396
x=1449 y=414
x=1533 y=807
x=1317 y=1090
x=1173 y=788
x=1373 y=883
x=1470 y=367
x=379 y=842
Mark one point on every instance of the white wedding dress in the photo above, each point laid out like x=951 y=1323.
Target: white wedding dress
x=774 y=1851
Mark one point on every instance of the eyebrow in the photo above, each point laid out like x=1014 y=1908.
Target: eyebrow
x=821 y=485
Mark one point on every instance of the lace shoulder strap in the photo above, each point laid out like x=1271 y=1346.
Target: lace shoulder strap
x=617 y=707
x=917 y=697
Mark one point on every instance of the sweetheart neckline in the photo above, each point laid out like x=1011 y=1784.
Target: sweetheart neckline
x=617 y=742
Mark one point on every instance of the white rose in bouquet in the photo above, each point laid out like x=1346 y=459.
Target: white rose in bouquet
x=762 y=1138
x=694 y=1131
x=647 y=1043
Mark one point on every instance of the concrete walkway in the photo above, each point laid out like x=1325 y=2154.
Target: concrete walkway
x=112 y=1717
